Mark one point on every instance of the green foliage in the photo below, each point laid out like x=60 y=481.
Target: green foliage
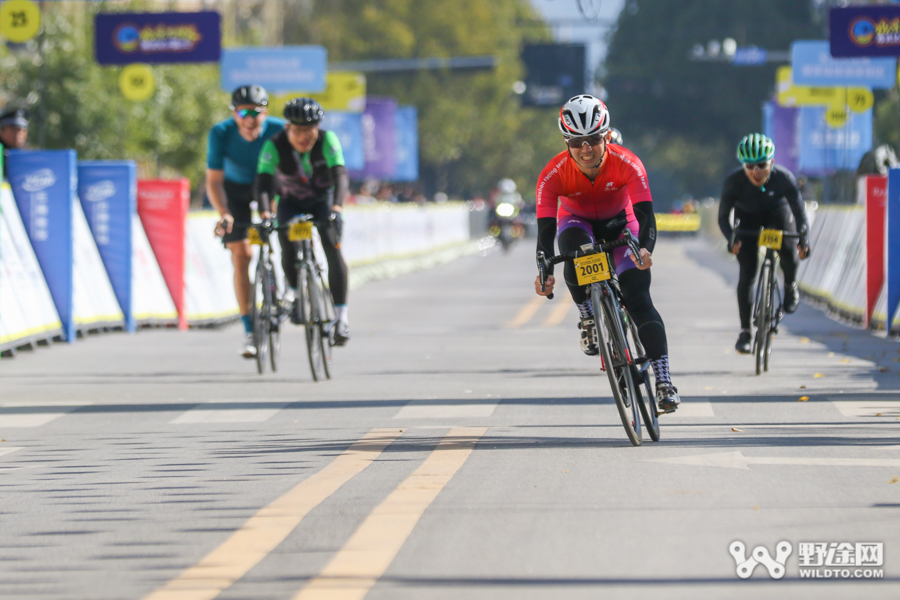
x=472 y=131
x=685 y=118
x=82 y=107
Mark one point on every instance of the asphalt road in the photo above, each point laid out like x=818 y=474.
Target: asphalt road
x=465 y=448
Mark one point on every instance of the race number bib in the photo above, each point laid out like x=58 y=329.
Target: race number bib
x=592 y=269
x=300 y=231
x=771 y=238
x=253 y=236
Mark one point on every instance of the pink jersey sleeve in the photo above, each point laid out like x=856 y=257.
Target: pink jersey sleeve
x=636 y=179
x=549 y=188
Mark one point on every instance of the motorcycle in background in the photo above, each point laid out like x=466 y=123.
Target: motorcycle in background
x=506 y=223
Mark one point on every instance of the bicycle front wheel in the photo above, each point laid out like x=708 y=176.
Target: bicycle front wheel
x=640 y=372
x=327 y=323
x=275 y=317
x=313 y=322
x=260 y=303
x=617 y=360
x=762 y=316
x=770 y=310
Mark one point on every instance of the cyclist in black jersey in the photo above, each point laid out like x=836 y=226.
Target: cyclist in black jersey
x=762 y=194
x=304 y=166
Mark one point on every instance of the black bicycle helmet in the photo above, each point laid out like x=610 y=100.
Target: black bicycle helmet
x=303 y=111
x=249 y=94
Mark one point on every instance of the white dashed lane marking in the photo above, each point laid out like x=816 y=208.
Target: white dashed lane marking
x=228 y=413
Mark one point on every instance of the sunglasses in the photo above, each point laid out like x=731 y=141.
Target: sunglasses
x=761 y=166
x=249 y=112
x=590 y=140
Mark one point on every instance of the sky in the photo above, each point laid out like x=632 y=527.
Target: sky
x=572 y=26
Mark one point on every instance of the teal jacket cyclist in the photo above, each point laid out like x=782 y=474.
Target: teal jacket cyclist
x=303 y=167
x=233 y=153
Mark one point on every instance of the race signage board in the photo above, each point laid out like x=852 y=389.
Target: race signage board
x=108 y=194
x=813 y=65
x=281 y=69
x=865 y=31
x=170 y=37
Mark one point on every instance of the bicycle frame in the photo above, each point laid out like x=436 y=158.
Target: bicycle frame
x=768 y=303
x=617 y=358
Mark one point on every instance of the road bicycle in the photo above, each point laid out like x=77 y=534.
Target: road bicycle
x=622 y=356
x=314 y=298
x=768 y=303
x=266 y=310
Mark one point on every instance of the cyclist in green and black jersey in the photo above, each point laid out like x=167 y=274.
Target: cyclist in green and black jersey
x=762 y=194
x=304 y=167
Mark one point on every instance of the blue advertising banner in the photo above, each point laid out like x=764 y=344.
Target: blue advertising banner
x=780 y=124
x=44 y=185
x=124 y=38
x=813 y=65
x=281 y=69
x=108 y=194
x=750 y=55
x=824 y=149
x=865 y=31
x=379 y=144
x=348 y=127
x=406 y=134
x=892 y=245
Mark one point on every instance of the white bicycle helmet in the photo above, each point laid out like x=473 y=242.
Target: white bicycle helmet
x=583 y=115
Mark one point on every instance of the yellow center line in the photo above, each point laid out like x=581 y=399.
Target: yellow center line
x=526 y=313
x=559 y=312
x=272 y=524
x=368 y=553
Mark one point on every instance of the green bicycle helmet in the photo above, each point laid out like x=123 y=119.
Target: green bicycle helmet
x=755 y=148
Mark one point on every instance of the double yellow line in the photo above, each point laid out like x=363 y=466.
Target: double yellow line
x=556 y=316
x=364 y=558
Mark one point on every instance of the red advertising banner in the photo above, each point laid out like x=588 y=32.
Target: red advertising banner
x=876 y=202
x=163 y=206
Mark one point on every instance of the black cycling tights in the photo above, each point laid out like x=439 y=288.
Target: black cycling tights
x=337 y=268
x=748 y=259
x=635 y=286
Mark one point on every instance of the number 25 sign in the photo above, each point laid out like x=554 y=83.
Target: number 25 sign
x=19 y=20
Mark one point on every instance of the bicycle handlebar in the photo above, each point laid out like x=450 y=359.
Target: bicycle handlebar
x=543 y=263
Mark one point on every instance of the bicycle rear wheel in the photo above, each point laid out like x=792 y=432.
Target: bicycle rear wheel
x=640 y=372
x=617 y=361
x=762 y=316
x=313 y=326
x=260 y=303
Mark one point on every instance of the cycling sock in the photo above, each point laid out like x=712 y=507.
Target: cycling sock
x=340 y=313
x=661 y=370
x=248 y=323
x=585 y=309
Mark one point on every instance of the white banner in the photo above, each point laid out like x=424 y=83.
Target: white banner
x=151 y=301
x=94 y=301
x=26 y=306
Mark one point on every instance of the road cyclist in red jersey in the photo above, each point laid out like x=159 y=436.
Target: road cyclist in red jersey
x=591 y=192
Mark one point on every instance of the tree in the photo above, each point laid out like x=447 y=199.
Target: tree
x=82 y=108
x=685 y=118
x=472 y=131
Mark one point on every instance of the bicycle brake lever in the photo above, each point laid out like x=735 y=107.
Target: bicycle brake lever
x=542 y=270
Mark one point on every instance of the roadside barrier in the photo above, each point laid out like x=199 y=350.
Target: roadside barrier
x=27 y=312
x=66 y=268
x=834 y=273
